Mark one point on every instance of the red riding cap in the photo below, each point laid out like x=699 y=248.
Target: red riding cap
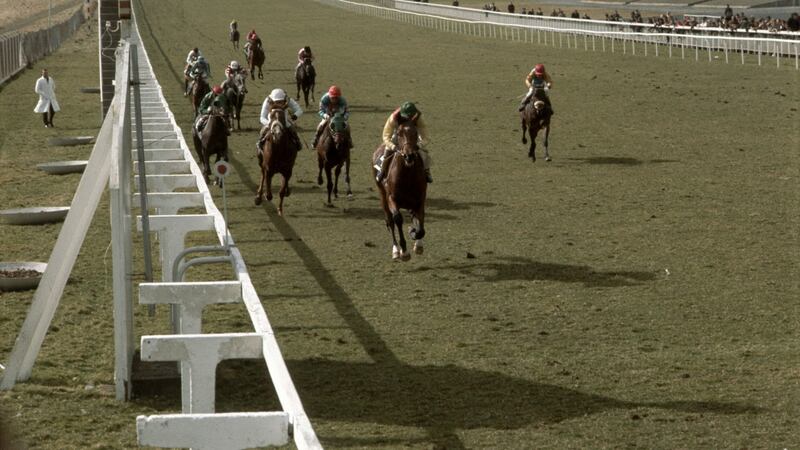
x=334 y=91
x=539 y=69
x=217 y=89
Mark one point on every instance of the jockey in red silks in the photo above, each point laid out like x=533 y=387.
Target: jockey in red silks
x=302 y=54
x=537 y=78
x=252 y=39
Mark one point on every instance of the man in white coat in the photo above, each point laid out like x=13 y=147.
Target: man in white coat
x=48 y=105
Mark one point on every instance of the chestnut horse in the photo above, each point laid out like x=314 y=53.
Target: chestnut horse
x=333 y=150
x=255 y=58
x=278 y=156
x=213 y=140
x=199 y=90
x=306 y=77
x=404 y=186
x=536 y=116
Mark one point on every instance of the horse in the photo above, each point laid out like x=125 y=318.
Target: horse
x=404 y=186
x=234 y=36
x=199 y=90
x=306 y=78
x=255 y=58
x=278 y=156
x=536 y=116
x=212 y=140
x=235 y=96
x=333 y=150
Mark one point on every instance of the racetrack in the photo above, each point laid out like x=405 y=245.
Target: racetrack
x=640 y=290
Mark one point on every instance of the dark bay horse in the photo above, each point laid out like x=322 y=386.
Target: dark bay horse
x=404 y=187
x=333 y=151
x=234 y=36
x=236 y=94
x=255 y=58
x=535 y=117
x=306 y=77
x=213 y=140
x=278 y=156
x=199 y=90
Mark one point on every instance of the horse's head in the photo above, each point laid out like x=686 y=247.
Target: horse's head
x=307 y=61
x=408 y=143
x=338 y=128
x=277 y=120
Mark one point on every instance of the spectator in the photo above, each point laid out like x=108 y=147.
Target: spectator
x=511 y=7
x=455 y=2
x=575 y=14
x=728 y=13
x=793 y=24
x=48 y=105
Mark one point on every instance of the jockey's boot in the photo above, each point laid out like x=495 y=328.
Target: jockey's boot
x=428 y=176
x=316 y=138
x=387 y=159
x=523 y=104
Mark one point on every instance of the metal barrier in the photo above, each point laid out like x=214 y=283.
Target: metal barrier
x=577 y=33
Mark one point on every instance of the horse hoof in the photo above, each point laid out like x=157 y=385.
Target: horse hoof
x=269 y=197
x=405 y=256
x=257 y=200
x=329 y=204
x=350 y=196
x=548 y=159
x=319 y=181
x=418 y=249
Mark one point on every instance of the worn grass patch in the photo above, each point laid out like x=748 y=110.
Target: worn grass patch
x=641 y=290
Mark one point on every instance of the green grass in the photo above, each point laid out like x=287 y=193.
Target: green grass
x=641 y=290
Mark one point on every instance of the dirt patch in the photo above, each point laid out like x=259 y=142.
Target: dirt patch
x=30 y=15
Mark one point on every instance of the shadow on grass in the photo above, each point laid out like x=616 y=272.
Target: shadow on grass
x=525 y=269
x=622 y=161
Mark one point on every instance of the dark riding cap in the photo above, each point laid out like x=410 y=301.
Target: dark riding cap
x=196 y=50
x=307 y=49
x=408 y=110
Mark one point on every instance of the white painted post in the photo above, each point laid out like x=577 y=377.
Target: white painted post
x=202 y=353
x=169 y=203
x=190 y=298
x=172 y=231
x=227 y=431
x=169 y=183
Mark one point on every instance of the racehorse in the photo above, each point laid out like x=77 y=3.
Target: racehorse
x=234 y=35
x=278 y=156
x=212 y=140
x=236 y=97
x=255 y=58
x=404 y=186
x=199 y=90
x=306 y=78
x=536 y=116
x=333 y=151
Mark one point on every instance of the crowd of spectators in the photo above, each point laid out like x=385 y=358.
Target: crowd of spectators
x=728 y=21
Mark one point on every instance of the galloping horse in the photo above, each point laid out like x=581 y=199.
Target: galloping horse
x=255 y=58
x=333 y=150
x=236 y=97
x=212 y=140
x=306 y=78
x=234 y=35
x=536 y=116
x=199 y=90
x=404 y=187
x=278 y=156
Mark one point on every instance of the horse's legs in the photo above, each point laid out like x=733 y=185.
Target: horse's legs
x=547 y=143
x=321 y=163
x=524 y=130
x=260 y=193
x=285 y=192
x=269 y=185
x=397 y=220
x=336 y=181
x=329 y=183
x=298 y=92
x=532 y=151
x=347 y=177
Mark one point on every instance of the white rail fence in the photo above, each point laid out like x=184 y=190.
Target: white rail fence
x=19 y=50
x=584 y=34
x=168 y=165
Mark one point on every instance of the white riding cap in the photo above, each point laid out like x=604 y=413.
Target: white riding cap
x=234 y=65
x=277 y=95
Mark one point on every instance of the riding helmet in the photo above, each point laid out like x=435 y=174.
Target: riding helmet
x=235 y=65
x=539 y=69
x=307 y=49
x=334 y=91
x=217 y=89
x=408 y=110
x=277 y=95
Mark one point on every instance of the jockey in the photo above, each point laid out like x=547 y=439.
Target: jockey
x=231 y=71
x=201 y=69
x=302 y=54
x=278 y=99
x=252 y=39
x=404 y=114
x=214 y=99
x=191 y=58
x=537 y=78
x=330 y=104
x=234 y=26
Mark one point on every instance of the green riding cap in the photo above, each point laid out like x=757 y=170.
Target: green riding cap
x=408 y=110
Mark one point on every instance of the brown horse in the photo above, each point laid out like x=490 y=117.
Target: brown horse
x=404 y=187
x=306 y=77
x=255 y=58
x=278 y=156
x=536 y=116
x=333 y=150
x=234 y=36
x=236 y=92
x=213 y=140
x=199 y=90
